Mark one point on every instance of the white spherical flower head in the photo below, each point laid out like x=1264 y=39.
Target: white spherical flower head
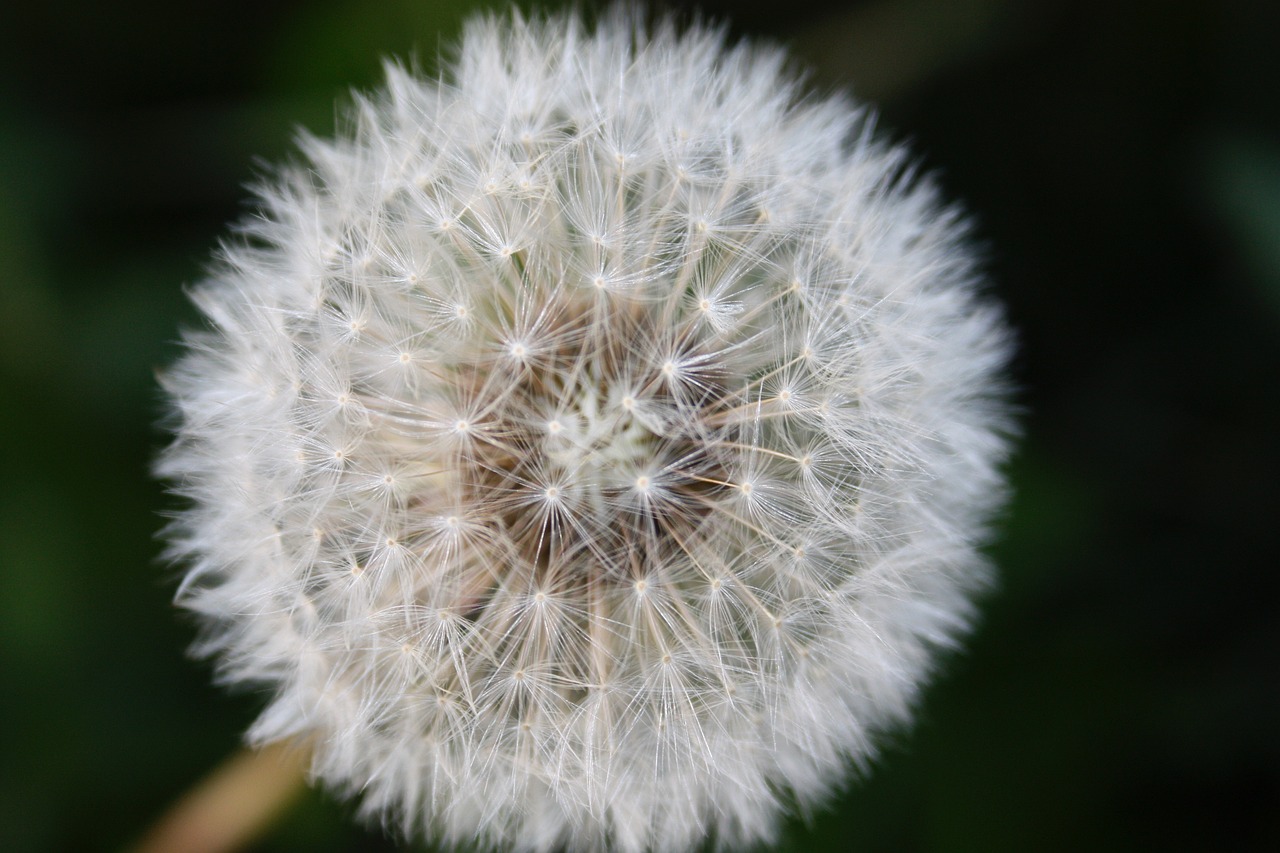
x=590 y=448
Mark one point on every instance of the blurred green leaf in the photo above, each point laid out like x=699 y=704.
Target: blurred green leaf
x=1242 y=174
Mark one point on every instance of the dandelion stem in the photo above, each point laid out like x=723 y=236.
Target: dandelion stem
x=232 y=805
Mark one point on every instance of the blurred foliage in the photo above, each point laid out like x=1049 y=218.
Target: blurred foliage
x=1122 y=160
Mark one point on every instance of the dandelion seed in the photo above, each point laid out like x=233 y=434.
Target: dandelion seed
x=677 y=484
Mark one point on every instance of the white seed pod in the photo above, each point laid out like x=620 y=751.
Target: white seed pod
x=589 y=449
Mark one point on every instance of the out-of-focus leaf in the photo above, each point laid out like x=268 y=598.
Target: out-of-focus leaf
x=1242 y=176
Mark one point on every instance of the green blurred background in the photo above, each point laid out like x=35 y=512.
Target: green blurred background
x=1122 y=160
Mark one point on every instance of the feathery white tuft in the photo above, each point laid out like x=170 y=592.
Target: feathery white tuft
x=590 y=449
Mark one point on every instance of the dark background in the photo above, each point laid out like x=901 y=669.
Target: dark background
x=1122 y=161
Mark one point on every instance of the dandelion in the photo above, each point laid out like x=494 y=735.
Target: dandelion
x=589 y=449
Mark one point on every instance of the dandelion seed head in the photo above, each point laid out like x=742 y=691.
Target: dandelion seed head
x=590 y=449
